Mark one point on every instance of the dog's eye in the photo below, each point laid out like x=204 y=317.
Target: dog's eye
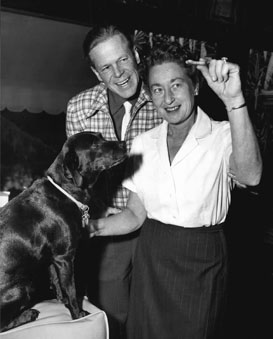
x=95 y=146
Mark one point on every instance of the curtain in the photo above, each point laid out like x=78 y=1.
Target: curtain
x=259 y=91
x=42 y=63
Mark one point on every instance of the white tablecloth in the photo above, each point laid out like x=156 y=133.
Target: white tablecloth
x=54 y=322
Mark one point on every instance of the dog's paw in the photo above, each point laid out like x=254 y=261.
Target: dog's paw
x=33 y=314
x=83 y=313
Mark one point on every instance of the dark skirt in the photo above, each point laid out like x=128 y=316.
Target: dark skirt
x=179 y=283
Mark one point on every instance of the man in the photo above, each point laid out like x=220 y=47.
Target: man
x=114 y=60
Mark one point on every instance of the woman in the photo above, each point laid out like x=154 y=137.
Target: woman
x=180 y=195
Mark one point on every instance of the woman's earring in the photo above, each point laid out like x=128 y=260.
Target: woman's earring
x=196 y=90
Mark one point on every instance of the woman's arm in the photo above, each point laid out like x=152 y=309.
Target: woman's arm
x=224 y=79
x=127 y=221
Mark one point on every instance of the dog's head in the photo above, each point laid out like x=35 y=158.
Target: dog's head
x=83 y=157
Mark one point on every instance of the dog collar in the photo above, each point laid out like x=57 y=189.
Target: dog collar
x=84 y=208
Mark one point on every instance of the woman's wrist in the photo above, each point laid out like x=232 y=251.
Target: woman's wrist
x=234 y=108
x=235 y=103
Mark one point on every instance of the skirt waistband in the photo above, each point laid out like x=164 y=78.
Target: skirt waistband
x=202 y=229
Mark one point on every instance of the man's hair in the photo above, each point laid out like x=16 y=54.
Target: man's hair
x=169 y=51
x=102 y=33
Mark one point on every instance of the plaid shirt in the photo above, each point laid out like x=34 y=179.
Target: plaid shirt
x=89 y=111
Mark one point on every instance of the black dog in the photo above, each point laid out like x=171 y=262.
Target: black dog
x=41 y=227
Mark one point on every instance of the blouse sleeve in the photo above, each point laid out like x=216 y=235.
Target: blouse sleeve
x=135 y=160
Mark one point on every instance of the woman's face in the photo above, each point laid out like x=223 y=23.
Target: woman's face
x=172 y=92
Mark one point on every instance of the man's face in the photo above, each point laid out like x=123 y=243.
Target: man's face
x=116 y=66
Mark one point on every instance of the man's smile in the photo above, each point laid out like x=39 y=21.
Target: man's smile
x=172 y=109
x=123 y=83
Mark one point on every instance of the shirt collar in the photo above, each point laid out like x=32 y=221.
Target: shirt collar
x=202 y=126
x=102 y=98
x=144 y=94
x=115 y=101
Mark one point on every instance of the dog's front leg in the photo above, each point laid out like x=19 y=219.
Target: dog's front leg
x=65 y=284
x=55 y=282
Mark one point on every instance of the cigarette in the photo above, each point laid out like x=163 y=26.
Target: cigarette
x=203 y=62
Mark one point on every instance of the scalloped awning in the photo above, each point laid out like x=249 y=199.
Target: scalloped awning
x=42 y=64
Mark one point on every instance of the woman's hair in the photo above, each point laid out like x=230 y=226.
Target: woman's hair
x=169 y=51
x=102 y=33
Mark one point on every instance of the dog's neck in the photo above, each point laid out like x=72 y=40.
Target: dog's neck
x=84 y=208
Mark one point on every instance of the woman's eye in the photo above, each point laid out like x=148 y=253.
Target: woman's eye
x=157 y=91
x=176 y=86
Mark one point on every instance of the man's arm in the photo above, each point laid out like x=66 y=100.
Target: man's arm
x=71 y=120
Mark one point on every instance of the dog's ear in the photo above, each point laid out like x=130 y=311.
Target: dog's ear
x=71 y=168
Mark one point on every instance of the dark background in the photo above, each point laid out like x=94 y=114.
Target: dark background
x=241 y=20
x=245 y=24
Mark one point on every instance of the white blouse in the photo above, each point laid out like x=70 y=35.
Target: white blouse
x=193 y=191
